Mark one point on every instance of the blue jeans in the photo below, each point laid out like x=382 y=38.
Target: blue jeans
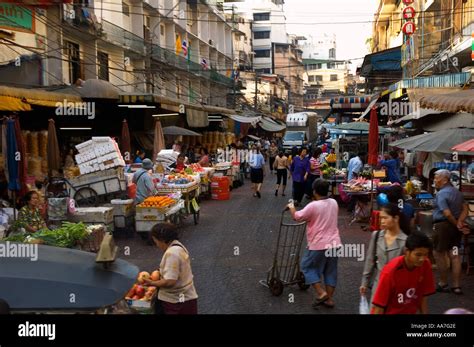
x=315 y=265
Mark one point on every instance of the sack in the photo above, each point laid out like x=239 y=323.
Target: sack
x=364 y=305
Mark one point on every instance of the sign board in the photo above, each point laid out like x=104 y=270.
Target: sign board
x=409 y=28
x=409 y=13
x=17 y=18
x=182 y=109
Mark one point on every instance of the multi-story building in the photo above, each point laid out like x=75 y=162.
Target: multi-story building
x=320 y=47
x=174 y=48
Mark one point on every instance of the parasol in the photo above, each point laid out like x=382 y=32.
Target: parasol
x=125 y=142
x=54 y=159
x=158 y=140
x=178 y=131
x=373 y=138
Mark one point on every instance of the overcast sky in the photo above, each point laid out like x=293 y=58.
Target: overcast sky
x=301 y=16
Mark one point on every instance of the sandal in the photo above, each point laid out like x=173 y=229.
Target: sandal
x=328 y=305
x=320 y=301
x=457 y=290
x=442 y=289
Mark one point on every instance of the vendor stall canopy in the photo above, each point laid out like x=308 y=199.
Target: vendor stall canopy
x=440 y=141
x=362 y=127
x=460 y=101
x=177 y=131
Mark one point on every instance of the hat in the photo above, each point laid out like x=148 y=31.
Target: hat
x=147 y=164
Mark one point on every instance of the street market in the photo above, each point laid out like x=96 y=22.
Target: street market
x=172 y=157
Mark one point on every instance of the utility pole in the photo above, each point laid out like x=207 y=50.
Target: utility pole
x=233 y=61
x=289 y=77
x=256 y=90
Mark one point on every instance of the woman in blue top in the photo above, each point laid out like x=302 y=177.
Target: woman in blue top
x=299 y=169
x=257 y=167
x=139 y=157
x=393 y=167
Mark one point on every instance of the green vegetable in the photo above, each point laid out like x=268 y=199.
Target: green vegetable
x=66 y=236
x=15 y=238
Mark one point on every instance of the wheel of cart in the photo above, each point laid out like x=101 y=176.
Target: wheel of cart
x=86 y=197
x=286 y=270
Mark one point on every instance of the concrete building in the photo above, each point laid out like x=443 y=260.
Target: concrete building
x=138 y=46
x=326 y=77
x=320 y=47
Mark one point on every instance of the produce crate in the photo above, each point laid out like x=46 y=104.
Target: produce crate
x=97 y=176
x=123 y=208
x=94 y=215
x=93 y=242
x=176 y=188
x=142 y=306
x=148 y=217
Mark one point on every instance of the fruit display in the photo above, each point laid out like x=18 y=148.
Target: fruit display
x=196 y=168
x=177 y=179
x=159 y=202
x=140 y=290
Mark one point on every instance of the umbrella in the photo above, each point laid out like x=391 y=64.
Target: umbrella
x=459 y=120
x=440 y=141
x=5 y=148
x=12 y=156
x=54 y=159
x=177 y=131
x=373 y=138
x=467 y=146
x=158 y=139
x=125 y=143
x=22 y=163
x=360 y=126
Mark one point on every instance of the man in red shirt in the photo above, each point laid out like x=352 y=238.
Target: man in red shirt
x=406 y=281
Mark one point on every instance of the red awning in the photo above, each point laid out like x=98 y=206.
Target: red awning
x=467 y=146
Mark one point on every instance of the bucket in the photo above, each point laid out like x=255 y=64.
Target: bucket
x=132 y=191
x=220 y=196
x=221 y=182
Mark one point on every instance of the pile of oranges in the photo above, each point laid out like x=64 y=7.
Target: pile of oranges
x=157 y=202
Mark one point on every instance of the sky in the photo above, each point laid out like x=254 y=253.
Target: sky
x=302 y=17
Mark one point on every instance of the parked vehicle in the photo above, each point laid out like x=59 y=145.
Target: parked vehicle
x=301 y=129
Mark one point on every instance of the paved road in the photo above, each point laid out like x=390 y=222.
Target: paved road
x=232 y=248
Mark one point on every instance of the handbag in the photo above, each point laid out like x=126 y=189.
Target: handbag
x=372 y=279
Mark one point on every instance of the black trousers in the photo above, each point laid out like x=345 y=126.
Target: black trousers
x=282 y=174
x=271 y=162
x=298 y=191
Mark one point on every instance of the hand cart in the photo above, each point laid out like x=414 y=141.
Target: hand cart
x=286 y=270
x=190 y=196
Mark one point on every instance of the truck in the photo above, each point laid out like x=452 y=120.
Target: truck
x=301 y=130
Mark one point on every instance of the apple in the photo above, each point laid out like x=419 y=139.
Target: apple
x=136 y=297
x=155 y=275
x=142 y=276
x=140 y=291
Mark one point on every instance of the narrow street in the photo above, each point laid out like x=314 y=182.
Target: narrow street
x=248 y=226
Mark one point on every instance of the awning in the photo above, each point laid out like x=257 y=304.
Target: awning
x=369 y=107
x=460 y=101
x=351 y=102
x=271 y=125
x=459 y=120
x=245 y=119
x=382 y=62
x=197 y=118
x=21 y=99
x=254 y=137
x=467 y=146
x=420 y=113
x=177 y=131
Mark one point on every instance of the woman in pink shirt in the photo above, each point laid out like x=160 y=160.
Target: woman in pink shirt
x=319 y=261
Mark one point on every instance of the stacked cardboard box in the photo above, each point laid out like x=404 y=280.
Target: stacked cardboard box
x=98 y=154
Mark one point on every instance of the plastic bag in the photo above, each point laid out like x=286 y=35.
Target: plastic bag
x=364 y=305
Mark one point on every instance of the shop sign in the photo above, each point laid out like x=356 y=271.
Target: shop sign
x=409 y=13
x=409 y=28
x=17 y=17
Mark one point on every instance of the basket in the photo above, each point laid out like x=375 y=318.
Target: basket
x=93 y=241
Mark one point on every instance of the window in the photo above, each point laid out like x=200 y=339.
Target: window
x=261 y=71
x=103 y=59
x=261 y=35
x=125 y=8
x=311 y=78
x=262 y=53
x=331 y=65
x=261 y=16
x=162 y=30
x=332 y=53
x=333 y=78
x=74 y=61
x=319 y=78
x=313 y=66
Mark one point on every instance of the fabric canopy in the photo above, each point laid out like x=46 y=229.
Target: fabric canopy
x=158 y=139
x=467 y=146
x=196 y=118
x=460 y=120
x=177 y=131
x=246 y=119
x=272 y=126
x=440 y=141
x=420 y=113
x=454 y=102
x=373 y=138
x=360 y=126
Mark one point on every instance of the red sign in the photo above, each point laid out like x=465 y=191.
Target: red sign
x=409 y=13
x=408 y=2
x=409 y=28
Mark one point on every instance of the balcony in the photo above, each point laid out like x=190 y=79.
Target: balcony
x=123 y=38
x=169 y=57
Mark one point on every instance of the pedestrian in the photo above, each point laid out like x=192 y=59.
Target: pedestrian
x=450 y=211
x=319 y=261
x=355 y=166
x=281 y=166
x=406 y=281
x=139 y=156
x=272 y=153
x=204 y=160
x=177 y=294
x=314 y=171
x=299 y=171
x=257 y=170
x=393 y=167
x=331 y=158
x=144 y=182
x=385 y=245
x=395 y=196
